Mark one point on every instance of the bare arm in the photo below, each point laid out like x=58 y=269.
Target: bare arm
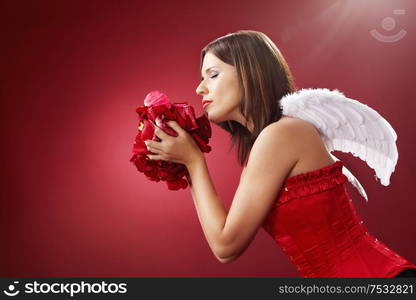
x=210 y=208
x=272 y=157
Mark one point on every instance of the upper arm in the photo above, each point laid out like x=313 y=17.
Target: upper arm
x=273 y=155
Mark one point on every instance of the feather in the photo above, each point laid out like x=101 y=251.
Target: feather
x=349 y=126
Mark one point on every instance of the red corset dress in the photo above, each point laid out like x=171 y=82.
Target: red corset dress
x=317 y=226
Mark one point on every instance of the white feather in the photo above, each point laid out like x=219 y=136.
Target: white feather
x=349 y=126
x=352 y=179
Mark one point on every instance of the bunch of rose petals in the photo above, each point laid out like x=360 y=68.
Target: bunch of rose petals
x=159 y=110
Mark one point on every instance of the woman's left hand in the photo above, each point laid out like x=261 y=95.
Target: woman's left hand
x=181 y=149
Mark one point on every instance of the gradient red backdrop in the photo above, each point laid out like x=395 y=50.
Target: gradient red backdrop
x=72 y=75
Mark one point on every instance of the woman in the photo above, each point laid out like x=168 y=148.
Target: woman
x=290 y=185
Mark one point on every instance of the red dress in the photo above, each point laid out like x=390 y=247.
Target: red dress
x=317 y=226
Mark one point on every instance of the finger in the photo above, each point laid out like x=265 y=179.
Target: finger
x=152 y=145
x=155 y=157
x=154 y=151
x=175 y=126
x=159 y=132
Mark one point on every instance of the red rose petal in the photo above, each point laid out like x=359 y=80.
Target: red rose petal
x=159 y=110
x=156 y=98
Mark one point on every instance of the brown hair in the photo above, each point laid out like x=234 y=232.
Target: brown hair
x=264 y=78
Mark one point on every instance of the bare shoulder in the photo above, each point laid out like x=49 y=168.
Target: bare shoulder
x=303 y=144
x=296 y=133
x=284 y=138
x=306 y=141
x=294 y=125
x=281 y=140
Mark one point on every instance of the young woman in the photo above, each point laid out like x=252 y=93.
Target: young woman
x=290 y=184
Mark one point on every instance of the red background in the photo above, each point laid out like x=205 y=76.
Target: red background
x=73 y=73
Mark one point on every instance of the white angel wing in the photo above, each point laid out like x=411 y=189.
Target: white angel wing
x=351 y=178
x=347 y=125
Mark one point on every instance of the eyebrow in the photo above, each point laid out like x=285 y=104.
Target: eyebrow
x=206 y=71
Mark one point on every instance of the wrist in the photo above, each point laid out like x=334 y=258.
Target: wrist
x=197 y=160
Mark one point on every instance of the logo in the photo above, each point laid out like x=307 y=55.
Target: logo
x=11 y=290
x=388 y=24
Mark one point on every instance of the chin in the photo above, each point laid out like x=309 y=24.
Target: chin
x=217 y=116
x=212 y=117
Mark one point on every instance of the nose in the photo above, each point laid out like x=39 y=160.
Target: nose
x=201 y=89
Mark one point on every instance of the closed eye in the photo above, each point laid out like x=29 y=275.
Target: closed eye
x=213 y=76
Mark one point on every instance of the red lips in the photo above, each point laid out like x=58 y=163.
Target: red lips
x=206 y=102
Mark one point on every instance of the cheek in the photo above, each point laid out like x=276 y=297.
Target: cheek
x=223 y=109
x=227 y=93
x=231 y=100
x=227 y=101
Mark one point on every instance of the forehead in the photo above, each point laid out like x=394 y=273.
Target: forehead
x=210 y=57
x=211 y=60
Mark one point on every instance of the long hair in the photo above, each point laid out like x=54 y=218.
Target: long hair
x=264 y=78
